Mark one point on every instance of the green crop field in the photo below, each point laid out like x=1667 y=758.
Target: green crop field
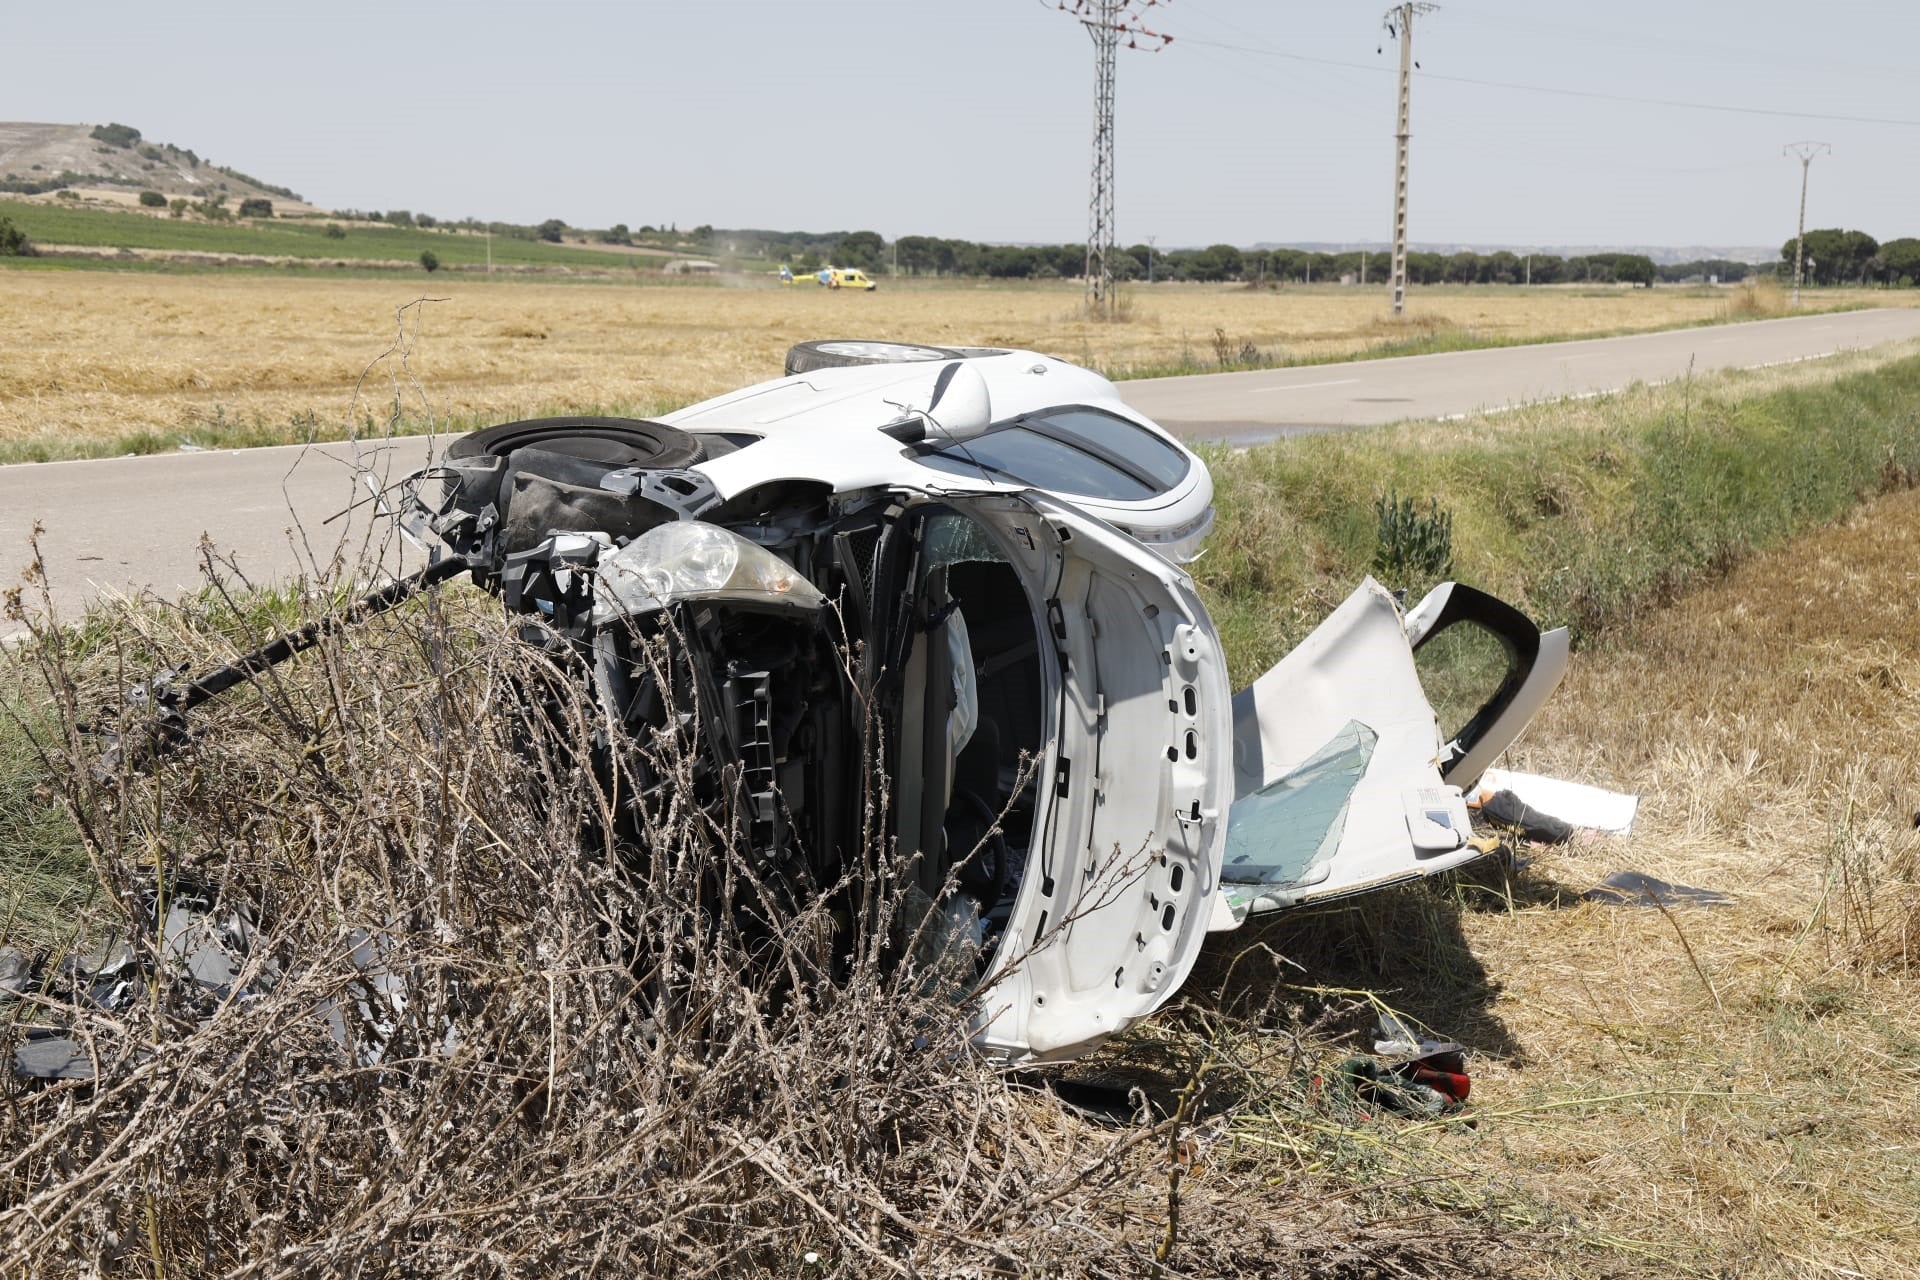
x=50 y=224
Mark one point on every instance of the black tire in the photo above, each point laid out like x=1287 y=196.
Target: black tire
x=841 y=353
x=609 y=442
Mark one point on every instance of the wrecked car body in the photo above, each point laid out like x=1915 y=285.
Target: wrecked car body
x=984 y=553
x=965 y=576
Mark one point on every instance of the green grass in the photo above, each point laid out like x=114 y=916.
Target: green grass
x=1583 y=513
x=45 y=879
x=278 y=238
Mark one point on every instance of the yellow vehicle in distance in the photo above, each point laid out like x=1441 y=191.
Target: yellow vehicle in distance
x=831 y=278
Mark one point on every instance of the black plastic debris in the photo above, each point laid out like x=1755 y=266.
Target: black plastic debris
x=52 y=1058
x=16 y=972
x=200 y=943
x=1509 y=810
x=1637 y=889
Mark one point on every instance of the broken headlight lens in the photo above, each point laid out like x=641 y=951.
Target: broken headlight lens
x=689 y=560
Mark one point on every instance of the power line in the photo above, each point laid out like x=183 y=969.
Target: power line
x=1725 y=108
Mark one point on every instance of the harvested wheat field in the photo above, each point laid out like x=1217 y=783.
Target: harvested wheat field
x=102 y=362
x=1729 y=1091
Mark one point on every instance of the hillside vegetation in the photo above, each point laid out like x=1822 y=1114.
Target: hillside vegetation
x=48 y=157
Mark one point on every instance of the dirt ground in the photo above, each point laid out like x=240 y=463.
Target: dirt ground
x=95 y=358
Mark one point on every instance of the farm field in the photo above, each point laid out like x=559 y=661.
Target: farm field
x=48 y=223
x=111 y=362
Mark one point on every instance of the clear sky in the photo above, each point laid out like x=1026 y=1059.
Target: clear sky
x=973 y=118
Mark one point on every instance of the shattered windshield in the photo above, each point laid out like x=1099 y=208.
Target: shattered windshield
x=955 y=539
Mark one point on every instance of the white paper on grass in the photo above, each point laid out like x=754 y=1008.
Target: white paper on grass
x=1572 y=802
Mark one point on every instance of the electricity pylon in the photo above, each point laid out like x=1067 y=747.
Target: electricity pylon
x=1107 y=21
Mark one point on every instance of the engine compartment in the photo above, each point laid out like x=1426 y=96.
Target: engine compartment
x=908 y=708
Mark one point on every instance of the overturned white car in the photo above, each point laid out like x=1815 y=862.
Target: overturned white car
x=969 y=563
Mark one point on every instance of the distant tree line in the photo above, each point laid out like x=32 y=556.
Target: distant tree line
x=1834 y=256
x=933 y=256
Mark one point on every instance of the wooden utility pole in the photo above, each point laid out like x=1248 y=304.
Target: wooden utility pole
x=1399 y=23
x=1806 y=151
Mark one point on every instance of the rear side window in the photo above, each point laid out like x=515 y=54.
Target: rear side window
x=1078 y=451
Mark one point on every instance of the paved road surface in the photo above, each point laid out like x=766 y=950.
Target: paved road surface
x=124 y=524
x=1271 y=402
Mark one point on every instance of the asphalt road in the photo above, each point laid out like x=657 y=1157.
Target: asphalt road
x=132 y=524
x=1245 y=407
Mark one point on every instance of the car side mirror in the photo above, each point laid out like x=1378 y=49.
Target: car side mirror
x=961 y=407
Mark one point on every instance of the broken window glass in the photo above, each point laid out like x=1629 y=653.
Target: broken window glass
x=1286 y=833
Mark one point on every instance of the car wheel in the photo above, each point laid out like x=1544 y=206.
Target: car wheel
x=840 y=353
x=612 y=442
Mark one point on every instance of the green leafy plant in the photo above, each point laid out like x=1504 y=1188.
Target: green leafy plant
x=429 y=260
x=1413 y=545
x=153 y=200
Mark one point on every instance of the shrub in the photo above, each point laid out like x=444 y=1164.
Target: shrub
x=425 y=220
x=13 y=241
x=544 y=1037
x=115 y=135
x=1412 y=547
x=335 y=231
x=551 y=229
x=177 y=207
x=153 y=200
x=256 y=207
x=430 y=260
x=400 y=218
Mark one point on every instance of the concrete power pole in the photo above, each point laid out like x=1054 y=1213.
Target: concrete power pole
x=1399 y=23
x=1107 y=21
x=1805 y=152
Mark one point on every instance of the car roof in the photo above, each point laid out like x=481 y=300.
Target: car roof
x=824 y=426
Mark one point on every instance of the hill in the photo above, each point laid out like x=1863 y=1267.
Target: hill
x=116 y=161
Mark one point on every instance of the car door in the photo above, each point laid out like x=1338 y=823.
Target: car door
x=1346 y=778
x=1131 y=784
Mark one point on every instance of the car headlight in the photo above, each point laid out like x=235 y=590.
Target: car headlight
x=689 y=560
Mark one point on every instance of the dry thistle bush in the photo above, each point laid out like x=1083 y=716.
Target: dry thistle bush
x=512 y=998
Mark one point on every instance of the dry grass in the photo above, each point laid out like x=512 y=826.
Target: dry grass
x=97 y=360
x=1762 y=1107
